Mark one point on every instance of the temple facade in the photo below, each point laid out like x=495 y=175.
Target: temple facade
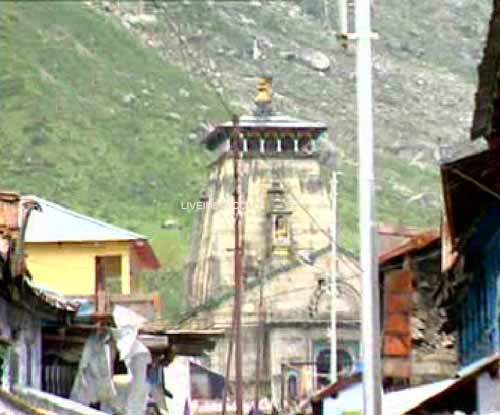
x=286 y=214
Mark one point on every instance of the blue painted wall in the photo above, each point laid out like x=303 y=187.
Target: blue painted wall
x=479 y=313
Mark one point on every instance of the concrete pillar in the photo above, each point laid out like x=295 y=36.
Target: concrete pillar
x=125 y=265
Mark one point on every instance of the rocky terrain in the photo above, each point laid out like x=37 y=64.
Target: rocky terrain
x=425 y=59
x=104 y=103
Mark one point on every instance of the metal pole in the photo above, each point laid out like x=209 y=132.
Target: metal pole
x=282 y=397
x=372 y=379
x=342 y=9
x=238 y=262
x=333 y=283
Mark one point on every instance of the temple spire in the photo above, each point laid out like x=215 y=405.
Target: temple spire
x=264 y=98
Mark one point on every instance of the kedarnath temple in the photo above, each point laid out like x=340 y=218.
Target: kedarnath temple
x=286 y=255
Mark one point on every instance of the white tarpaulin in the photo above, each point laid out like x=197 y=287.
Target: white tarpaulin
x=178 y=382
x=135 y=355
x=400 y=402
x=93 y=382
x=348 y=400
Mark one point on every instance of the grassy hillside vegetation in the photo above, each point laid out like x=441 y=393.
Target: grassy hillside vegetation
x=91 y=119
x=105 y=116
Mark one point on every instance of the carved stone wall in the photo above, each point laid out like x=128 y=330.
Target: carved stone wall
x=286 y=215
x=213 y=237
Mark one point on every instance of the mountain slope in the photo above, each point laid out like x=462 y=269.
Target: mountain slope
x=91 y=119
x=424 y=74
x=102 y=108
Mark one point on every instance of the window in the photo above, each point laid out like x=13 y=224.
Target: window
x=323 y=368
x=287 y=145
x=280 y=228
x=253 y=144
x=109 y=273
x=270 y=145
x=29 y=364
x=345 y=365
x=292 y=386
x=14 y=368
x=4 y=353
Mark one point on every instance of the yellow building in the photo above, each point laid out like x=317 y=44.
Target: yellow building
x=65 y=250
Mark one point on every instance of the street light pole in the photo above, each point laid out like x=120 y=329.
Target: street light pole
x=342 y=16
x=333 y=282
x=372 y=378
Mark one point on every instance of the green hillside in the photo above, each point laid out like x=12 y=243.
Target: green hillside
x=93 y=119
x=88 y=118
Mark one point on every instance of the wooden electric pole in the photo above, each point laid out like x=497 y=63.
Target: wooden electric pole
x=228 y=364
x=260 y=342
x=238 y=266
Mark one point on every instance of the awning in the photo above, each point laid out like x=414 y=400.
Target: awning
x=185 y=341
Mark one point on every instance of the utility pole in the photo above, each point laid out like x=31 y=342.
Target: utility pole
x=140 y=7
x=342 y=22
x=260 y=341
x=228 y=364
x=333 y=282
x=372 y=379
x=238 y=266
x=326 y=12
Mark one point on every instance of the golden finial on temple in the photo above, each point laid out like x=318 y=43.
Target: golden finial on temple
x=264 y=96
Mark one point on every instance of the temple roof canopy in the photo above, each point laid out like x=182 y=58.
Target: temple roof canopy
x=265 y=123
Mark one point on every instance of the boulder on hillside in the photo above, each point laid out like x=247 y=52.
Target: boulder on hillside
x=173 y=116
x=128 y=98
x=141 y=19
x=287 y=55
x=316 y=60
x=184 y=93
x=171 y=224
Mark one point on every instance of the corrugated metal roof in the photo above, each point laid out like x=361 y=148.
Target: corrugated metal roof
x=55 y=223
x=350 y=397
x=408 y=244
x=52 y=298
x=470 y=187
x=406 y=400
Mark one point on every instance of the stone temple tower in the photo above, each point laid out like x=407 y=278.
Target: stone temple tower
x=286 y=217
x=285 y=203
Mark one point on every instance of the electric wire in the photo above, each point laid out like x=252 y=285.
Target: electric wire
x=184 y=46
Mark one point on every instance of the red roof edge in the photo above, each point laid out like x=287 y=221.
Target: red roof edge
x=146 y=255
x=416 y=242
x=397 y=230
